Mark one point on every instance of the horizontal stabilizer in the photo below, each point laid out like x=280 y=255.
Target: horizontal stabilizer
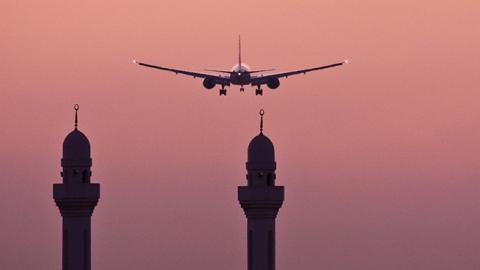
x=221 y=71
x=261 y=70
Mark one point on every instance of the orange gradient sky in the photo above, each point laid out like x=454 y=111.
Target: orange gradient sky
x=379 y=158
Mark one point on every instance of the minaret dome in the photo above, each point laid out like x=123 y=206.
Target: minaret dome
x=261 y=153
x=76 y=145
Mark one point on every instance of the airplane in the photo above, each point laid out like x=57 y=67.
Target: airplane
x=241 y=75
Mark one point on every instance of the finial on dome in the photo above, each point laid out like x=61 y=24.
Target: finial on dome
x=262 y=112
x=76 y=107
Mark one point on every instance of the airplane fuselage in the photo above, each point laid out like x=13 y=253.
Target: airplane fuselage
x=240 y=75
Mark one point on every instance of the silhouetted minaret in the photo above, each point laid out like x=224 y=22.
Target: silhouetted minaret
x=76 y=198
x=261 y=200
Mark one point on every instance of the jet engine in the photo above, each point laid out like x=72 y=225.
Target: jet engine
x=209 y=83
x=273 y=83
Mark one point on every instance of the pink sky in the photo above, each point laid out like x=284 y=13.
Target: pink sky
x=379 y=158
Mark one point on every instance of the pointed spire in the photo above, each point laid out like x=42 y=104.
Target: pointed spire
x=262 y=112
x=76 y=107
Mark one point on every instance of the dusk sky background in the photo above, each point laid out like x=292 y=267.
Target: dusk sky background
x=379 y=158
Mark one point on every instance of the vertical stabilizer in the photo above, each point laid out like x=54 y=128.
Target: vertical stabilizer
x=239 y=51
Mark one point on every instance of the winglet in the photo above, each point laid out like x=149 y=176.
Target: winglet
x=345 y=62
x=134 y=61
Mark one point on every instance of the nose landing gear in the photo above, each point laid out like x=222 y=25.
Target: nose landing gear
x=242 y=89
x=223 y=91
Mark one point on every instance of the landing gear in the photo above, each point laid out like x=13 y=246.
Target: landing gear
x=242 y=89
x=259 y=92
x=223 y=91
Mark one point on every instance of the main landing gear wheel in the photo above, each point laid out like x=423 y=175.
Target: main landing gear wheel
x=258 y=92
x=242 y=89
x=223 y=92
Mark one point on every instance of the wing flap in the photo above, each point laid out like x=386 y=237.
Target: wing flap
x=263 y=79
x=223 y=80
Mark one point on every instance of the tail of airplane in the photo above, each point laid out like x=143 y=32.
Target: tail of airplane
x=239 y=51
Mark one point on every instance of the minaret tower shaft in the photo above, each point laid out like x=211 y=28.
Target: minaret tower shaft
x=76 y=198
x=260 y=200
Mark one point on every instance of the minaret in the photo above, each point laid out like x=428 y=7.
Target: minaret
x=76 y=198
x=261 y=200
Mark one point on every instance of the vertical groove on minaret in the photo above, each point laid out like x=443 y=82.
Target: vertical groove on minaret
x=85 y=250
x=249 y=248
x=65 y=250
x=271 y=251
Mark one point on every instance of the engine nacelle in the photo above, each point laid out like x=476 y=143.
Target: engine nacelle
x=209 y=83
x=273 y=83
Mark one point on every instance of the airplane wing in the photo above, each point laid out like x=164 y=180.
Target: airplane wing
x=262 y=79
x=218 y=79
